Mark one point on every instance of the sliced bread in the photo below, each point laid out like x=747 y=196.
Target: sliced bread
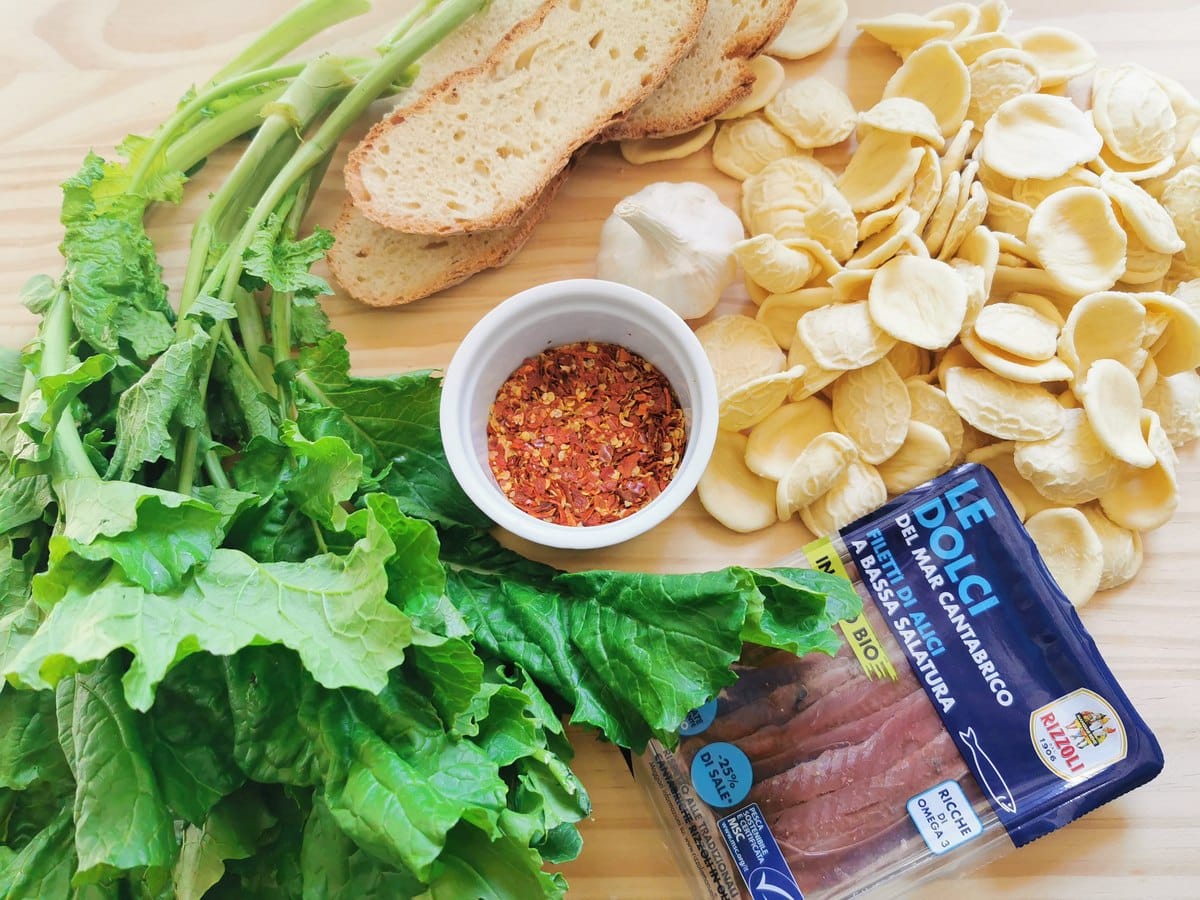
x=468 y=45
x=383 y=267
x=713 y=76
x=476 y=151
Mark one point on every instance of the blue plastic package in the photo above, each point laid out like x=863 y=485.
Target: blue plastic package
x=968 y=713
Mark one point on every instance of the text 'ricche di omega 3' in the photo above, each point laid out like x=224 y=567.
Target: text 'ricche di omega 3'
x=585 y=434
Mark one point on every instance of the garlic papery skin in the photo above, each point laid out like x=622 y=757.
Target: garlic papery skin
x=673 y=240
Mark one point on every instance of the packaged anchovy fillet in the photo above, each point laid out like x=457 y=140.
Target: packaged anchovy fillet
x=967 y=713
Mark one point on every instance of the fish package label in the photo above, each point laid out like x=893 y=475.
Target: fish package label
x=967 y=713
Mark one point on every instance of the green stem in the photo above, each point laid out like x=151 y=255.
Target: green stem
x=214 y=471
x=448 y=15
x=208 y=135
x=186 y=112
x=321 y=83
x=405 y=25
x=68 y=459
x=308 y=19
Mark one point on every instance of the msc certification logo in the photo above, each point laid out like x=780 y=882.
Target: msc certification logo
x=771 y=884
x=1077 y=735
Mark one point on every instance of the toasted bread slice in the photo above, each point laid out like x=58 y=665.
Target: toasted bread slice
x=383 y=267
x=468 y=45
x=476 y=151
x=713 y=76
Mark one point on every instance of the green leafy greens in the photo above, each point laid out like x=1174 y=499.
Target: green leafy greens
x=254 y=639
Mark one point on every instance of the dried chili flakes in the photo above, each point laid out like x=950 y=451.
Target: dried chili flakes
x=584 y=434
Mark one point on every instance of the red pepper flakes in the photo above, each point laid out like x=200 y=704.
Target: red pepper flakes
x=585 y=434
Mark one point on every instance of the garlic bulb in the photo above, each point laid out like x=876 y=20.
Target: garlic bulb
x=675 y=242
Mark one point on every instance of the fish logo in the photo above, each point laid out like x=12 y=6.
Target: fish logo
x=986 y=771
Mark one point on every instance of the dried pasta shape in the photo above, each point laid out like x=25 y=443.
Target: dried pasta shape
x=1038 y=136
x=925 y=454
x=1078 y=240
x=814 y=472
x=1133 y=114
x=769 y=78
x=748 y=404
x=1002 y=408
x=650 y=150
x=730 y=492
x=1122 y=547
x=739 y=349
x=813 y=112
x=920 y=301
x=781 y=312
x=935 y=75
x=1019 y=329
x=776 y=441
x=882 y=166
x=1145 y=499
x=1113 y=403
x=773 y=264
x=843 y=336
x=1176 y=400
x=1105 y=325
x=903 y=115
x=858 y=491
x=1071 y=550
x=1061 y=55
x=904 y=32
x=1070 y=467
x=871 y=406
x=997 y=77
x=812 y=26
x=745 y=147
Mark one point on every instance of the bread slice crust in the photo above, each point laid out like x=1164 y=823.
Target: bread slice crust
x=379 y=266
x=475 y=152
x=720 y=56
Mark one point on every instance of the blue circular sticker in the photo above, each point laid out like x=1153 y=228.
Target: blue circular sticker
x=721 y=775
x=699 y=719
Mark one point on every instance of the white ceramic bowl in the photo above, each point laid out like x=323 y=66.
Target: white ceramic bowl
x=563 y=312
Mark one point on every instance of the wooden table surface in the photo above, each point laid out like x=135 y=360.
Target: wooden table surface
x=80 y=74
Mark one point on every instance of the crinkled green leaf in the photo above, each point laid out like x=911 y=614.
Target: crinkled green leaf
x=474 y=866
x=231 y=830
x=156 y=537
x=273 y=871
x=188 y=735
x=392 y=422
x=23 y=498
x=327 y=475
x=44 y=866
x=797 y=609
x=416 y=579
x=631 y=653
x=309 y=320
x=16 y=572
x=164 y=398
x=400 y=802
x=112 y=271
x=274 y=705
x=331 y=610
x=37 y=293
x=334 y=867
x=257 y=411
x=54 y=394
x=29 y=749
x=104 y=747
x=284 y=264
x=12 y=374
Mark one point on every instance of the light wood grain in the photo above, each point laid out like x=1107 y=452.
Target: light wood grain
x=80 y=74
